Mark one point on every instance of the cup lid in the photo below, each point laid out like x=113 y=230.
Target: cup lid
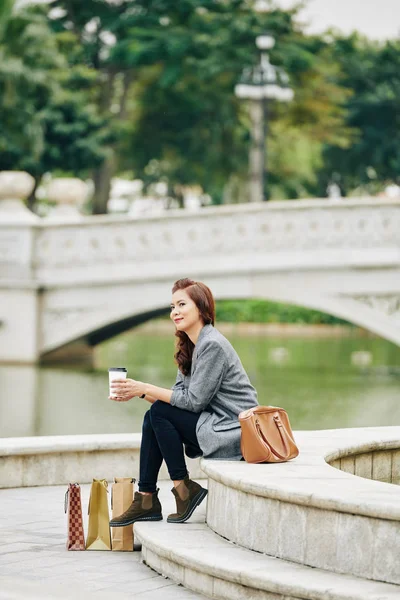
x=117 y=369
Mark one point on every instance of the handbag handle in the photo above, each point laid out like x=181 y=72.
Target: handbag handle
x=280 y=426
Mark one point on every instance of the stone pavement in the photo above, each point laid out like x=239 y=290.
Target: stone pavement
x=34 y=562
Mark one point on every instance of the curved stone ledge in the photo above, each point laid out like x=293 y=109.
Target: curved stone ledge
x=379 y=465
x=57 y=460
x=363 y=447
x=308 y=512
x=309 y=479
x=68 y=443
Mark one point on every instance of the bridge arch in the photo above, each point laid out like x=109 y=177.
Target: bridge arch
x=101 y=321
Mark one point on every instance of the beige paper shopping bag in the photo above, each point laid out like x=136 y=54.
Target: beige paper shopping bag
x=121 y=499
x=98 y=537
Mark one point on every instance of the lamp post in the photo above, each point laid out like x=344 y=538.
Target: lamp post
x=258 y=85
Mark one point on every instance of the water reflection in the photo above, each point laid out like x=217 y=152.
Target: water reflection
x=18 y=400
x=314 y=379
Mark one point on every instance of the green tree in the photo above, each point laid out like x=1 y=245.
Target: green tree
x=316 y=117
x=47 y=122
x=148 y=88
x=266 y=311
x=189 y=127
x=97 y=32
x=166 y=75
x=24 y=87
x=5 y=12
x=372 y=71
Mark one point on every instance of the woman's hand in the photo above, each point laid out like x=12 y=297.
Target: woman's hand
x=123 y=390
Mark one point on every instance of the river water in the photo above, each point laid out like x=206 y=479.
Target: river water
x=316 y=380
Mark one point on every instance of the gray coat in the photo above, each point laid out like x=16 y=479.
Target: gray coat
x=218 y=388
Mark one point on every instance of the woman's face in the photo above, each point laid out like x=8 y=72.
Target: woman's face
x=184 y=312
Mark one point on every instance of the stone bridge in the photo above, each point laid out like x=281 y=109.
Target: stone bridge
x=86 y=279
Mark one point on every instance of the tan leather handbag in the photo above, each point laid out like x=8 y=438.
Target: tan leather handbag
x=267 y=435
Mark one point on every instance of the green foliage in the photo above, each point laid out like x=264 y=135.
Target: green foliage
x=6 y=7
x=147 y=88
x=189 y=127
x=166 y=83
x=315 y=118
x=294 y=159
x=371 y=71
x=47 y=123
x=25 y=88
x=168 y=80
x=265 y=311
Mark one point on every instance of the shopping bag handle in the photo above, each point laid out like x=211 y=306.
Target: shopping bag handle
x=104 y=483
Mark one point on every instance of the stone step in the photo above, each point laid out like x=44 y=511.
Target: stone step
x=194 y=556
x=307 y=512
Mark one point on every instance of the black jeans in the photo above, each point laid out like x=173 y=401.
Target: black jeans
x=165 y=429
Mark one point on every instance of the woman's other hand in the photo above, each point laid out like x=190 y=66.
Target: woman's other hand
x=123 y=390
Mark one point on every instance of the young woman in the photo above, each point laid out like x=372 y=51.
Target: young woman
x=199 y=414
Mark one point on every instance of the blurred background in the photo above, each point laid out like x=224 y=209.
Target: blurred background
x=138 y=98
x=147 y=102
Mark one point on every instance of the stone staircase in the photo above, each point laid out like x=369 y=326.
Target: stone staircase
x=300 y=530
x=325 y=526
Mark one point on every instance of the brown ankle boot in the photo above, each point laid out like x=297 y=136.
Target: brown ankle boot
x=143 y=508
x=188 y=495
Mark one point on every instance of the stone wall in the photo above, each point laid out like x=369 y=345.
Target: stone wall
x=59 y=460
x=379 y=465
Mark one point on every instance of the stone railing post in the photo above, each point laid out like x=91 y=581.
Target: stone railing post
x=19 y=298
x=68 y=193
x=15 y=186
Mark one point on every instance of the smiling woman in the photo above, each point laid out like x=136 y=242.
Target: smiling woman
x=199 y=415
x=190 y=311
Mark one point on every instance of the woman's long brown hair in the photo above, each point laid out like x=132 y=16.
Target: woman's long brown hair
x=204 y=300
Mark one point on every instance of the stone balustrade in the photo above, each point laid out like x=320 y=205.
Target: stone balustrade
x=73 y=281
x=80 y=280
x=15 y=187
x=67 y=193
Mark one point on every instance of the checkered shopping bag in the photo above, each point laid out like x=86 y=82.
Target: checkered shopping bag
x=73 y=505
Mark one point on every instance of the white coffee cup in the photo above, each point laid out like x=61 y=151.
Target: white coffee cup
x=115 y=373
